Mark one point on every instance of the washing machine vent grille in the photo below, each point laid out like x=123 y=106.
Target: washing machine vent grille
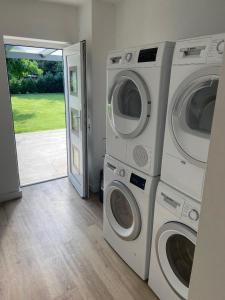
x=140 y=156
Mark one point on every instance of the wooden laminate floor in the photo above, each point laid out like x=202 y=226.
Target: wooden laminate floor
x=51 y=247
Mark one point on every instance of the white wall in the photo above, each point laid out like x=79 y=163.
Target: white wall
x=144 y=21
x=130 y=23
x=103 y=41
x=93 y=21
x=208 y=276
x=36 y=19
x=85 y=16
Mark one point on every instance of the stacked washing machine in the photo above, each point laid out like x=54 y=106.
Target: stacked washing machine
x=137 y=87
x=193 y=88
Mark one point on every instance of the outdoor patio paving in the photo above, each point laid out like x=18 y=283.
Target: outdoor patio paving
x=41 y=155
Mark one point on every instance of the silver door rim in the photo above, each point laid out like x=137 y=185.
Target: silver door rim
x=163 y=234
x=130 y=233
x=186 y=85
x=145 y=101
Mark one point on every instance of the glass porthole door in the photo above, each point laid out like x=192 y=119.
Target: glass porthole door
x=175 y=247
x=122 y=211
x=192 y=115
x=129 y=104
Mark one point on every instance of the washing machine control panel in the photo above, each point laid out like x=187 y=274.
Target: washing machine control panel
x=128 y=56
x=216 y=48
x=220 y=46
x=137 y=181
x=121 y=172
x=191 y=213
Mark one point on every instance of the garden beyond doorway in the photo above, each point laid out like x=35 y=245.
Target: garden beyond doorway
x=38 y=106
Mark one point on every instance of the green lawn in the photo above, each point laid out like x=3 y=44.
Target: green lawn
x=37 y=112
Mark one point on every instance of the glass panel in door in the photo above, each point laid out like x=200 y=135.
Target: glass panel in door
x=200 y=108
x=129 y=100
x=192 y=117
x=121 y=209
x=180 y=254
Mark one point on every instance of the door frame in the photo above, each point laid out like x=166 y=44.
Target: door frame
x=39 y=43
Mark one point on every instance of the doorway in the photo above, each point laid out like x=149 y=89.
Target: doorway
x=74 y=60
x=38 y=106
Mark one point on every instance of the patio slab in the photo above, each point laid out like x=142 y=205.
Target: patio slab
x=41 y=155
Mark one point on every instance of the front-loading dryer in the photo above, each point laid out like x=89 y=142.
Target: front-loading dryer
x=129 y=197
x=137 y=92
x=174 y=236
x=193 y=88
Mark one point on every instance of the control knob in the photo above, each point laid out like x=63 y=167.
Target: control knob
x=128 y=57
x=122 y=173
x=193 y=215
x=220 y=47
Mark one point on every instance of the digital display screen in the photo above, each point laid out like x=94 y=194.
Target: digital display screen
x=138 y=181
x=147 y=55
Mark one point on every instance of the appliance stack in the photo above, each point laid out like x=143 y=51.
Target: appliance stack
x=157 y=155
x=137 y=91
x=192 y=96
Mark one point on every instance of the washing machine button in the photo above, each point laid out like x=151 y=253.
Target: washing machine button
x=220 y=47
x=122 y=173
x=128 y=57
x=193 y=215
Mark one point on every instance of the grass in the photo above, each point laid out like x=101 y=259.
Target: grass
x=37 y=112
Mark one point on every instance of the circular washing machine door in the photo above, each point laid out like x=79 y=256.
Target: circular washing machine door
x=175 y=247
x=191 y=114
x=129 y=104
x=122 y=211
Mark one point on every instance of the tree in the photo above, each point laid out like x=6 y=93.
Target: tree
x=53 y=67
x=48 y=76
x=20 y=68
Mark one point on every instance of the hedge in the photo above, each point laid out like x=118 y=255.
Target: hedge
x=47 y=83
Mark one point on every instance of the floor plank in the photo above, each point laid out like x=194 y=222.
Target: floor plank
x=52 y=248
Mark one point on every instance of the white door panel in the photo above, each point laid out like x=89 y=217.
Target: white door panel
x=76 y=111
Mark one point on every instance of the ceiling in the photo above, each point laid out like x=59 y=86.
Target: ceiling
x=13 y=51
x=75 y=2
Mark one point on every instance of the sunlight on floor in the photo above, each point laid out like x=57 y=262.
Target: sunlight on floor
x=41 y=155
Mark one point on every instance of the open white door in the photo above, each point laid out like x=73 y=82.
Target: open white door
x=76 y=115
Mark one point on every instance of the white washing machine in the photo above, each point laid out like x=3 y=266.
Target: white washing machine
x=137 y=85
x=128 y=213
x=193 y=88
x=174 y=237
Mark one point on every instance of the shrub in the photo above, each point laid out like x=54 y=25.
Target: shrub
x=47 y=83
x=15 y=87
